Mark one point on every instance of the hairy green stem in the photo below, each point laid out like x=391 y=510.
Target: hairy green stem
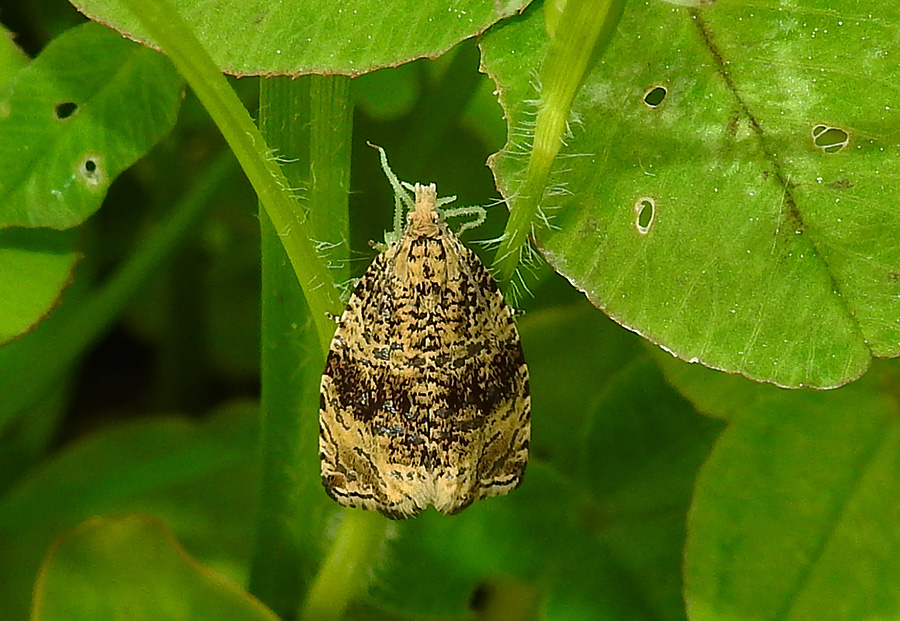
x=283 y=561
x=194 y=63
x=580 y=30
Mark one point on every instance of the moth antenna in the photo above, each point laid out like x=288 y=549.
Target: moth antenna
x=479 y=212
x=446 y=200
x=401 y=198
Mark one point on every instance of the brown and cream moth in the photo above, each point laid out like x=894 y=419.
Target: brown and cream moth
x=425 y=397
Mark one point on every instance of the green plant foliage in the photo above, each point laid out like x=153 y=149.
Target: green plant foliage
x=260 y=37
x=86 y=576
x=177 y=377
x=12 y=58
x=36 y=265
x=72 y=120
x=795 y=512
x=720 y=395
x=187 y=475
x=767 y=250
x=33 y=367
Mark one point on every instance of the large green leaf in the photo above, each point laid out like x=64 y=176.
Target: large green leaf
x=190 y=476
x=721 y=217
x=260 y=37
x=85 y=110
x=132 y=568
x=795 y=513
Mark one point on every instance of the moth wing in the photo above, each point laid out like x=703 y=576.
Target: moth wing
x=369 y=453
x=486 y=436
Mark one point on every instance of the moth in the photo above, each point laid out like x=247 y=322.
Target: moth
x=425 y=394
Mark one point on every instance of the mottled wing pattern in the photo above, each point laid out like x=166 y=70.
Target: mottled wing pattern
x=424 y=397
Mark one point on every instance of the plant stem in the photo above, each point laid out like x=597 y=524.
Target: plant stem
x=579 y=34
x=348 y=563
x=294 y=115
x=346 y=568
x=193 y=62
x=330 y=131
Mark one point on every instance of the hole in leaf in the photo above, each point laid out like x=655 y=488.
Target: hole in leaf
x=91 y=170
x=65 y=109
x=644 y=210
x=830 y=139
x=655 y=96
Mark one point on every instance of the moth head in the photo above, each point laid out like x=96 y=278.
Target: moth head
x=424 y=220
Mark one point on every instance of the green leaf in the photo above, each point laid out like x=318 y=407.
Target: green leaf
x=186 y=474
x=713 y=217
x=85 y=110
x=259 y=37
x=795 y=513
x=133 y=568
x=35 y=266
